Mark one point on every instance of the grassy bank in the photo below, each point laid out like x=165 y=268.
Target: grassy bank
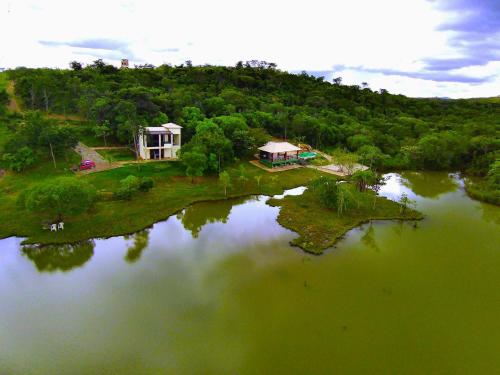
x=172 y=192
x=482 y=190
x=319 y=227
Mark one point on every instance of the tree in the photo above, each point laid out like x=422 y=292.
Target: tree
x=195 y=162
x=358 y=140
x=405 y=202
x=333 y=194
x=242 y=174
x=211 y=141
x=42 y=134
x=225 y=180
x=60 y=197
x=326 y=190
x=364 y=179
x=4 y=100
x=75 y=65
x=57 y=140
x=189 y=119
x=236 y=130
x=346 y=160
x=102 y=130
x=257 y=179
x=494 y=174
x=20 y=159
x=371 y=156
x=160 y=119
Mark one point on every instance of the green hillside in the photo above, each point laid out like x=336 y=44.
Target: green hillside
x=227 y=111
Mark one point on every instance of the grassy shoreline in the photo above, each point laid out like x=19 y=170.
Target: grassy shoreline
x=172 y=193
x=319 y=228
x=480 y=190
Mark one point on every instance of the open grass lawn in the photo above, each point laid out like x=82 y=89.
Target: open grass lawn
x=13 y=219
x=172 y=192
x=119 y=154
x=320 y=227
x=319 y=161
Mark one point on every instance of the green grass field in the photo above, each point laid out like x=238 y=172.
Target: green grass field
x=172 y=192
x=121 y=154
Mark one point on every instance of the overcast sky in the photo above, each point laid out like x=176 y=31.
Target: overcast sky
x=424 y=48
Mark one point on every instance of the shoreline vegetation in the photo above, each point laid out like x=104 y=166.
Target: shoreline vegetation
x=226 y=113
x=482 y=190
x=319 y=227
x=109 y=217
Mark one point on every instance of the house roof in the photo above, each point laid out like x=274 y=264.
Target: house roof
x=171 y=125
x=275 y=147
x=156 y=129
x=162 y=128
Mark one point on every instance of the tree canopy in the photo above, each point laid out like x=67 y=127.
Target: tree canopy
x=222 y=108
x=60 y=197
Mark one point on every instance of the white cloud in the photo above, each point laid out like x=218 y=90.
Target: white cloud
x=297 y=35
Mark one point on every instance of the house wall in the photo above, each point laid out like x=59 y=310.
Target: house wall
x=143 y=153
x=171 y=151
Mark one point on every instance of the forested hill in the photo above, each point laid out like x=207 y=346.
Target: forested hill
x=396 y=131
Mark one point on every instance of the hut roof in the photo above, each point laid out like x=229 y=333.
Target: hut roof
x=275 y=147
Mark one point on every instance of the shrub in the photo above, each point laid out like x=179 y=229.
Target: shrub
x=128 y=186
x=146 y=184
x=21 y=159
x=132 y=184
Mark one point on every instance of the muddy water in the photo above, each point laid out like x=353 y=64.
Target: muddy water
x=217 y=289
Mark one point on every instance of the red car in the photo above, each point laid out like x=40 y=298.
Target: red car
x=87 y=164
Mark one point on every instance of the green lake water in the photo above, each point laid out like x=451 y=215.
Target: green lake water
x=217 y=289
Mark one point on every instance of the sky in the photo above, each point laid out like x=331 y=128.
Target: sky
x=419 y=48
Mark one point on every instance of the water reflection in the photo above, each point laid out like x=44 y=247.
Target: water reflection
x=140 y=242
x=368 y=238
x=216 y=303
x=295 y=191
x=64 y=257
x=393 y=187
x=428 y=184
x=197 y=215
x=490 y=213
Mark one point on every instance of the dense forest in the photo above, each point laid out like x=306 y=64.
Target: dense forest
x=226 y=111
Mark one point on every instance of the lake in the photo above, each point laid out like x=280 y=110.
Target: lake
x=216 y=289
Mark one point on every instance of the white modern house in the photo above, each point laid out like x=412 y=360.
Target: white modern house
x=160 y=142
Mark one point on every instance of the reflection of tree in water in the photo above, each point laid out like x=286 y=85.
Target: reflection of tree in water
x=428 y=184
x=64 y=257
x=491 y=213
x=141 y=240
x=369 y=238
x=397 y=228
x=197 y=215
